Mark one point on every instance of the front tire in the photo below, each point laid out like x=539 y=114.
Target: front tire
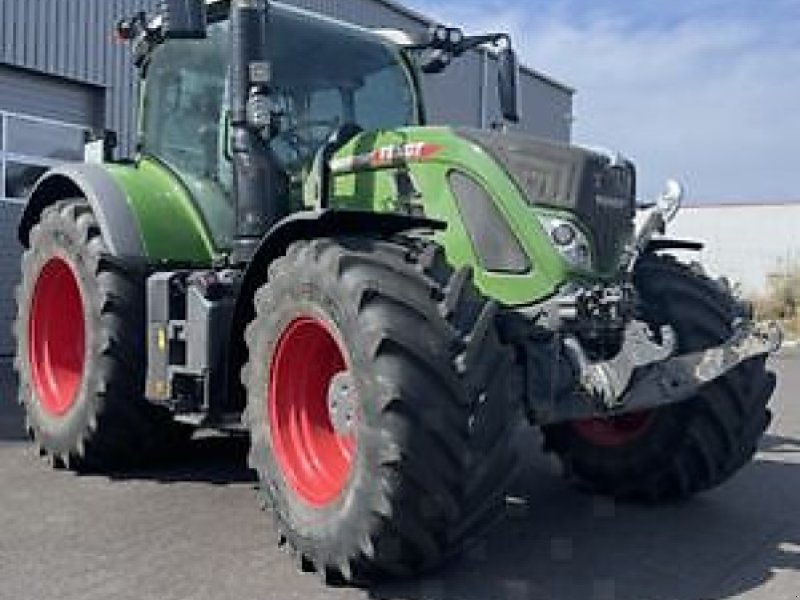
x=80 y=347
x=677 y=450
x=378 y=406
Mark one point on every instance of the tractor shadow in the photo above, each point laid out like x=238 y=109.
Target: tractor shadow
x=208 y=458
x=214 y=459
x=563 y=544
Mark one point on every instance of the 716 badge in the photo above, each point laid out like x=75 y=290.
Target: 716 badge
x=386 y=156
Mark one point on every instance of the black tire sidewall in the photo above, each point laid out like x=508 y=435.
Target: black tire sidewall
x=701 y=313
x=59 y=237
x=338 y=524
x=667 y=424
x=433 y=458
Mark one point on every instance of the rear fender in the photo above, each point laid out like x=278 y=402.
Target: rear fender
x=144 y=211
x=109 y=203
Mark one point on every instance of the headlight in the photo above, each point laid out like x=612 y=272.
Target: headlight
x=571 y=243
x=563 y=234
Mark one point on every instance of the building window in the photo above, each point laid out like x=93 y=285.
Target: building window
x=29 y=146
x=47 y=139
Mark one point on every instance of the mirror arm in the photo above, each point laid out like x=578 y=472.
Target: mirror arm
x=179 y=20
x=473 y=41
x=467 y=43
x=144 y=36
x=441 y=54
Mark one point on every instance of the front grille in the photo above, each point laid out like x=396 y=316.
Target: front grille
x=600 y=195
x=606 y=204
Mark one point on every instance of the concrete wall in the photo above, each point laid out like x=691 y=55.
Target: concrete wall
x=745 y=243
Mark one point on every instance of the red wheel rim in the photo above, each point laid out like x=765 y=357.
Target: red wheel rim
x=314 y=459
x=56 y=337
x=617 y=431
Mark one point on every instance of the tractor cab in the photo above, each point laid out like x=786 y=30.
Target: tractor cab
x=323 y=82
x=325 y=75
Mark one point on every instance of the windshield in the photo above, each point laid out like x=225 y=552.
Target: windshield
x=324 y=74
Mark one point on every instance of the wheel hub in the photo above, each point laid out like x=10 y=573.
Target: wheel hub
x=342 y=403
x=56 y=337
x=312 y=404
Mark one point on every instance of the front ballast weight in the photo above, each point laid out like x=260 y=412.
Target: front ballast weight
x=645 y=374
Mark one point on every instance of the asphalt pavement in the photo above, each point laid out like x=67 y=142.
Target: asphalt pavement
x=191 y=529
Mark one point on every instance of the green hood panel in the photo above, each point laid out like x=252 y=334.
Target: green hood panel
x=171 y=227
x=368 y=174
x=365 y=179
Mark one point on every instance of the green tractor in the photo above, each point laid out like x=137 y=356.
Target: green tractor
x=294 y=254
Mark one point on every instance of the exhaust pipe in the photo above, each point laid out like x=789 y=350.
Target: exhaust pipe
x=256 y=178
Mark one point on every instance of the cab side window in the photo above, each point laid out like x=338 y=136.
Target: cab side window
x=183 y=107
x=184 y=122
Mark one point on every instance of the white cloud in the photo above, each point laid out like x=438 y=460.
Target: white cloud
x=713 y=100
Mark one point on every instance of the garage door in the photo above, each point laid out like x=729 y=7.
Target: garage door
x=43 y=121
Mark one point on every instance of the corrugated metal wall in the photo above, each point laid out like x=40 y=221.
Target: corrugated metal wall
x=27 y=92
x=73 y=39
x=369 y=13
x=28 y=145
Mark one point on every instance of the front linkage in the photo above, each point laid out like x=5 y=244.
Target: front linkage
x=645 y=374
x=565 y=381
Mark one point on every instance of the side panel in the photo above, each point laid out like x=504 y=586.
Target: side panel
x=171 y=227
x=366 y=180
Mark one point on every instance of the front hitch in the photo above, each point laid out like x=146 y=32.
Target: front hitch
x=607 y=380
x=642 y=377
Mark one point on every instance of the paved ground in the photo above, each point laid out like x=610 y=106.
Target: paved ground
x=193 y=531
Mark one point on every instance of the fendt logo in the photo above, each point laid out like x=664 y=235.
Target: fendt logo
x=386 y=156
x=406 y=152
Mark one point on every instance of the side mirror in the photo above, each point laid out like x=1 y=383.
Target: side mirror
x=184 y=19
x=508 y=84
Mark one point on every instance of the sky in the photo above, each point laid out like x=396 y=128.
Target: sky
x=705 y=91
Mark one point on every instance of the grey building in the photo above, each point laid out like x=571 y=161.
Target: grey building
x=62 y=74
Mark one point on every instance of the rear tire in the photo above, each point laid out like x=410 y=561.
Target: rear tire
x=679 y=450
x=80 y=348
x=423 y=468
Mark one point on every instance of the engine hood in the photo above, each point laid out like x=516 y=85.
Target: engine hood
x=597 y=190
